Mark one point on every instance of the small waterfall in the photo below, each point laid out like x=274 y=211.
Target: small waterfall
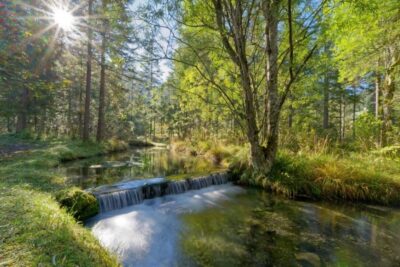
x=213 y=179
x=157 y=187
x=178 y=187
x=154 y=190
x=119 y=199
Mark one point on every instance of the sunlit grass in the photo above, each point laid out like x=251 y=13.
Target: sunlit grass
x=34 y=230
x=355 y=177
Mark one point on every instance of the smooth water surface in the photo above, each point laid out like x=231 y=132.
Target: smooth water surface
x=228 y=225
x=134 y=164
x=149 y=234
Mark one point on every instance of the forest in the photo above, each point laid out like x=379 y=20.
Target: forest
x=199 y=132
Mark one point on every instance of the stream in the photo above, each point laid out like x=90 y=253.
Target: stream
x=228 y=225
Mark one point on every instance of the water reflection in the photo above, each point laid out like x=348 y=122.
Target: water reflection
x=137 y=163
x=257 y=229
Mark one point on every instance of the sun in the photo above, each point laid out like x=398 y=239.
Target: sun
x=63 y=18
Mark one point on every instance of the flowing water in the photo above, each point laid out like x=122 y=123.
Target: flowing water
x=208 y=222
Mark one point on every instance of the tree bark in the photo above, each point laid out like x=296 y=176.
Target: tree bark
x=271 y=12
x=238 y=56
x=387 y=107
x=377 y=95
x=354 y=112
x=22 y=117
x=8 y=124
x=290 y=115
x=392 y=61
x=325 y=122
x=342 y=116
x=102 y=95
x=86 y=122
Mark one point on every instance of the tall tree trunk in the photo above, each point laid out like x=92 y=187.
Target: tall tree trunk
x=342 y=116
x=377 y=95
x=238 y=56
x=42 y=128
x=325 y=122
x=354 y=112
x=271 y=12
x=8 y=124
x=392 y=61
x=290 y=116
x=22 y=117
x=80 y=101
x=378 y=106
x=69 y=115
x=86 y=122
x=387 y=107
x=101 y=119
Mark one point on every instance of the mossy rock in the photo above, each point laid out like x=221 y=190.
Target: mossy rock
x=82 y=205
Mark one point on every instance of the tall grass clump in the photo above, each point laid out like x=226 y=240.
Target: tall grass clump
x=219 y=153
x=357 y=178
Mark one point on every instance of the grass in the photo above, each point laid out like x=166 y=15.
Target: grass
x=34 y=229
x=217 y=153
x=352 y=177
x=319 y=173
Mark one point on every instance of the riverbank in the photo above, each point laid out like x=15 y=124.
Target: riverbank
x=336 y=175
x=34 y=230
x=355 y=177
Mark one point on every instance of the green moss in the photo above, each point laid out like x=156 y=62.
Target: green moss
x=79 y=203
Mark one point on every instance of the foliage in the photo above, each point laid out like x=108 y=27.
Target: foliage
x=367 y=128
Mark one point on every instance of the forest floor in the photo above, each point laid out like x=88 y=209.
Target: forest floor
x=10 y=145
x=34 y=230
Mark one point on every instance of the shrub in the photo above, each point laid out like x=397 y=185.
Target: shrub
x=183 y=148
x=216 y=154
x=367 y=129
x=115 y=145
x=82 y=205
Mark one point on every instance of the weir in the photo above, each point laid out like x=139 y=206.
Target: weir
x=134 y=192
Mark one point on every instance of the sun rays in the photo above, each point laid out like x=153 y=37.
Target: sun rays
x=63 y=18
x=59 y=21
